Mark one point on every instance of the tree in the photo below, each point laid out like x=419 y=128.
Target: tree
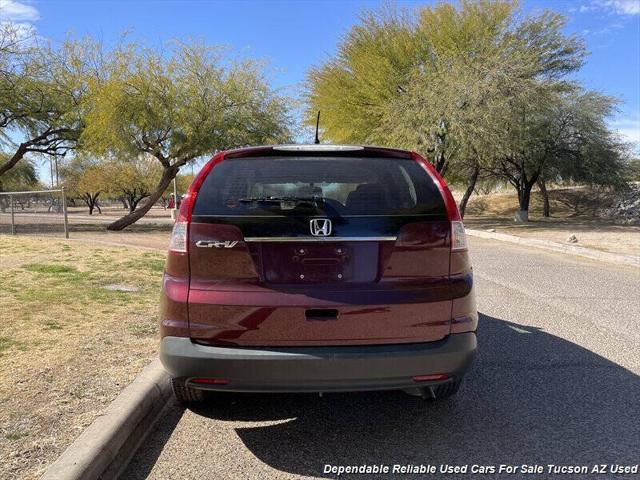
x=448 y=109
x=21 y=178
x=41 y=92
x=634 y=169
x=458 y=96
x=584 y=149
x=372 y=67
x=183 y=182
x=563 y=137
x=133 y=180
x=87 y=179
x=177 y=106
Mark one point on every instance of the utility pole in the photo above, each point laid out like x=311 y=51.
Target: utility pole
x=174 y=211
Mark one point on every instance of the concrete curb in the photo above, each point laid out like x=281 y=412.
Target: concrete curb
x=105 y=447
x=618 y=258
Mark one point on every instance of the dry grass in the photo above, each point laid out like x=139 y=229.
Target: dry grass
x=67 y=344
x=565 y=203
x=572 y=213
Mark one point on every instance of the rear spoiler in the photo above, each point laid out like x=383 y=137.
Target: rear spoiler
x=322 y=150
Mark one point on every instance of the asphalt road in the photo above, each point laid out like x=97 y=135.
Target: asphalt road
x=556 y=382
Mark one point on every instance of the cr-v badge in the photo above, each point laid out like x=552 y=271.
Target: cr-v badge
x=216 y=243
x=320 y=227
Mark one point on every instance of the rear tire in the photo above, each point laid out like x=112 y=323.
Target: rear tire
x=185 y=394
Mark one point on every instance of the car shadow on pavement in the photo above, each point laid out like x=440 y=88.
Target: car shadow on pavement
x=530 y=398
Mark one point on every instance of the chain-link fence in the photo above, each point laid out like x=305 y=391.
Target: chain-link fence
x=34 y=212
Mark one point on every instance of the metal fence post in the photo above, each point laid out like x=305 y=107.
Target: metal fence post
x=13 y=220
x=64 y=211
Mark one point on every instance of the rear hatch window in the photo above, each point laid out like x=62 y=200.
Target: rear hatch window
x=319 y=186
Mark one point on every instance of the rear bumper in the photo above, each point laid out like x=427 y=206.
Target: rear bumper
x=313 y=369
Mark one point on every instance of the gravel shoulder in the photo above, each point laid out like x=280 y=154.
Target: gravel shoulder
x=590 y=233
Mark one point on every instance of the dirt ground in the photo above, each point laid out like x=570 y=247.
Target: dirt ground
x=573 y=212
x=69 y=343
x=607 y=237
x=155 y=239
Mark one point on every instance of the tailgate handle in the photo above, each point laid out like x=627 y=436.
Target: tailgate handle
x=321 y=314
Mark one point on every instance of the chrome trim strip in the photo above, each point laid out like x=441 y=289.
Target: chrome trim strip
x=429 y=215
x=318 y=148
x=320 y=239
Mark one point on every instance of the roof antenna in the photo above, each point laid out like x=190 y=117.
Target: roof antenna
x=317 y=140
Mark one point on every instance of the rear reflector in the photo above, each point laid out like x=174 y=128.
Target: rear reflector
x=430 y=378
x=210 y=381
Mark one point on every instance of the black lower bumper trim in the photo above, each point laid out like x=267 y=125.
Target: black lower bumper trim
x=312 y=369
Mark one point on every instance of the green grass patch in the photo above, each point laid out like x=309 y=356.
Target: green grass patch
x=102 y=295
x=47 y=295
x=6 y=343
x=79 y=391
x=154 y=265
x=52 y=325
x=143 y=329
x=49 y=268
x=13 y=436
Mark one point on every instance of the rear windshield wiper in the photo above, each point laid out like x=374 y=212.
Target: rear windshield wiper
x=288 y=199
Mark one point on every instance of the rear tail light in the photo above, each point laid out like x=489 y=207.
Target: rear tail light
x=178 y=243
x=458 y=238
x=179 y=237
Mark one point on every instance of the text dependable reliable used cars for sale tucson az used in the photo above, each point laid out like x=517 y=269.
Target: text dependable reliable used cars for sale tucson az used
x=317 y=268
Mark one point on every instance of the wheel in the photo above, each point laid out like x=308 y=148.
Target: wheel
x=186 y=394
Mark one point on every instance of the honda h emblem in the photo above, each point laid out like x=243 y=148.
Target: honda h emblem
x=320 y=227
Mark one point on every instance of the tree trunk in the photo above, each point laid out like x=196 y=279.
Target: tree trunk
x=132 y=203
x=469 y=191
x=167 y=175
x=125 y=205
x=92 y=202
x=546 y=211
x=15 y=158
x=524 y=198
x=35 y=144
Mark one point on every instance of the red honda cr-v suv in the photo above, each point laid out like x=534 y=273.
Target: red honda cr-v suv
x=319 y=268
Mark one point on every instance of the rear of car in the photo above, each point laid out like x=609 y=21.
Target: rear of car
x=317 y=268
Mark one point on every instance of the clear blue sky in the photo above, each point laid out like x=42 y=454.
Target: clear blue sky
x=292 y=35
